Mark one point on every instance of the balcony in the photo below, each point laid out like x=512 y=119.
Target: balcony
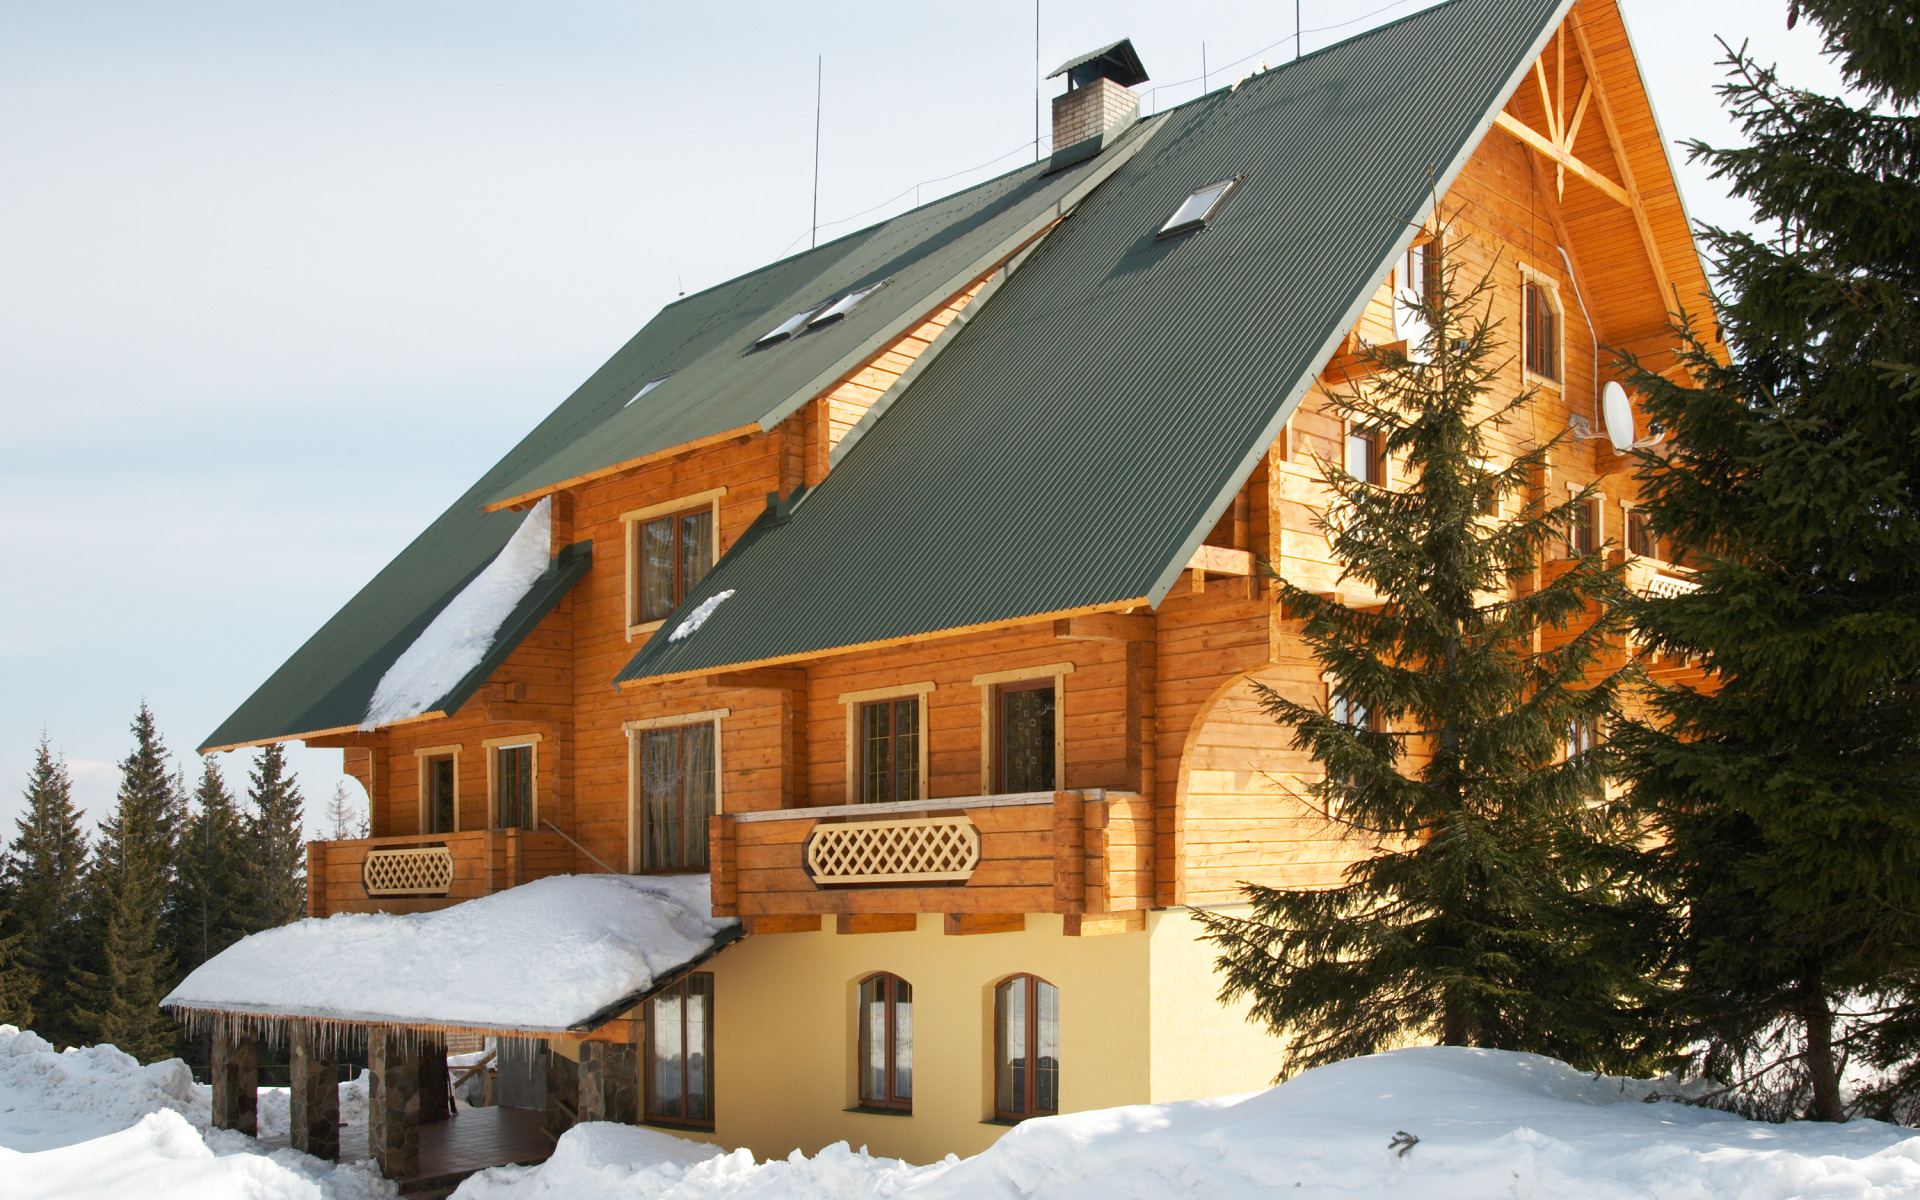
x=418 y=873
x=1081 y=854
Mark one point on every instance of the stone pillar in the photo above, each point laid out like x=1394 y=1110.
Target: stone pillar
x=236 y=1081
x=434 y=1084
x=563 y=1093
x=313 y=1096
x=393 y=1102
x=610 y=1082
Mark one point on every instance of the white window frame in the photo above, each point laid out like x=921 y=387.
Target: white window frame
x=1540 y=279
x=989 y=685
x=532 y=742
x=853 y=701
x=420 y=758
x=718 y=717
x=630 y=540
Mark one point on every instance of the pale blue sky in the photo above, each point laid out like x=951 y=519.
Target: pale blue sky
x=277 y=282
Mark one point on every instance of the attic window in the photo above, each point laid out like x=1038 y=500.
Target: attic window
x=1199 y=207
x=846 y=304
x=649 y=385
x=788 y=327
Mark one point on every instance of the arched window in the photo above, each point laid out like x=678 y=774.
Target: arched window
x=1026 y=1066
x=886 y=1042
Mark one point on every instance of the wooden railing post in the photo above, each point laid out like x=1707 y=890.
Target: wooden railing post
x=316 y=879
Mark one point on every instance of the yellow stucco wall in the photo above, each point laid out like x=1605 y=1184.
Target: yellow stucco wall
x=1138 y=1023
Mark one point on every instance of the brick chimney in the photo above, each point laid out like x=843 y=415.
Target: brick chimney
x=1098 y=105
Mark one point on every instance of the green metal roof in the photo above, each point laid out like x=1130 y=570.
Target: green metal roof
x=717 y=383
x=1076 y=440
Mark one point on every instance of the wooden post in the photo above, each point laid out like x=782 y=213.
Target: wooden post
x=434 y=1083
x=563 y=1093
x=316 y=879
x=236 y=1082
x=393 y=1102
x=313 y=1097
x=610 y=1082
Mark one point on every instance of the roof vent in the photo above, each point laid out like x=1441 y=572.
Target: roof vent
x=1096 y=107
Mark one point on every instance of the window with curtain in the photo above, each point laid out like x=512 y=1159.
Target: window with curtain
x=440 y=798
x=1025 y=714
x=676 y=796
x=1348 y=711
x=513 y=787
x=1026 y=1065
x=1542 y=331
x=886 y=1042
x=1362 y=458
x=679 y=1052
x=890 y=750
x=1640 y=539
x=673 y=555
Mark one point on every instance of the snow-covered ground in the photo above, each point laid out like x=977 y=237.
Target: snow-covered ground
x=1434 y=1123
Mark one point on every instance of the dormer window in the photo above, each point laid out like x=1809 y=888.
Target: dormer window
x=1200 y=207
x=845 y=304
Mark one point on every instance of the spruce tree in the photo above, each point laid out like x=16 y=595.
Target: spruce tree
x=276 y=836
x=213 y=875
x=345 y=821
x=41 y=878
x=18 y=982
x=128 y=884
x=1489 y=913
x=1786 y=790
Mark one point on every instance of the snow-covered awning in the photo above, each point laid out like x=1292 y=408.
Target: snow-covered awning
x=555 y=956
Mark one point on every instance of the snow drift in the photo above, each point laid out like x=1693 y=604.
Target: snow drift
x=1440 y=1123
x=50 y=1099
x=541 y=957
x=456 y=640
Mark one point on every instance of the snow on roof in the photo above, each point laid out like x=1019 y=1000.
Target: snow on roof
x=460 y=636
x=545 y=957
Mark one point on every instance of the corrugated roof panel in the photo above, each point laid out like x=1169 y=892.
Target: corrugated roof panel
x=1073 y=444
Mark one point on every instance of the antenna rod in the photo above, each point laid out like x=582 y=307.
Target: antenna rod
x=1203 y=68
x=1036 y=80
x=819 y=75
x=1296 y=30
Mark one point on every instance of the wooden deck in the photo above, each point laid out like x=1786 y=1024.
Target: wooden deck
x=453 y=1149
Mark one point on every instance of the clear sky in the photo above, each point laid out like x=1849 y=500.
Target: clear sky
x=278 y=282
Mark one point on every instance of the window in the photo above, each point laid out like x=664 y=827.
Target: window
x=513 y=787
x=1362 y=459
x=1640 y=539
x=1199 y=208
x=648 y=386
x=679 y=1049
x=677 y=792
x=1348 y=711
x=1540 y=316
x=845 y=304
x=438 y=782
x=1581 y=537
x=886 y=1042
x=788 y=327
x=1582 y=736
x=1419 y=279
x=1025 y=715
x=890 y=750
x=673 y=554
x=1026 y=1042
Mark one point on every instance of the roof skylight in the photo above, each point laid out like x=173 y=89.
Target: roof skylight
x=648 y=386
x=1199 y=207
x=788 y=327
x=845 y=304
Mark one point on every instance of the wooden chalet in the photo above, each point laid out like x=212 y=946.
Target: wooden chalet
x=907 y=588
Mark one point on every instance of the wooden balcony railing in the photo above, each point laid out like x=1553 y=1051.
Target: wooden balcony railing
x=1074 y=853
x=416 y=873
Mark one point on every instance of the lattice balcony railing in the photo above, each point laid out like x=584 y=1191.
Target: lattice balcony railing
x=1666 y=587
x=922 y=850
x=415 y=871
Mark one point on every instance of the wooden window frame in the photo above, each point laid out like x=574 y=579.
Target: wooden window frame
x=1550 y=287
x=1596 y=513
x=1431 y=267
x=630 y=540
x=892 y=1101
x=1627 y=514
x=635 y=777
x=420 y=759
x=990 y=685
x=853 y=702
x=647 y=1116
x=491 y=747
x=1031 y=1090
x=1378 y=459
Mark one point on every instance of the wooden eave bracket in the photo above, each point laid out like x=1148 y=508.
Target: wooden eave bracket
x=1348 y=364
x=1105 y=627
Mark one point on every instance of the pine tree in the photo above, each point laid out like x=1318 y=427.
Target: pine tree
x=128 y=884
x=41 y=878
x=1488 y=914
x=213 y=875
x=1787 y=793
x=276 y=836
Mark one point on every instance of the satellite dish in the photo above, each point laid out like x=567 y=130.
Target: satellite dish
x=1617 y=411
